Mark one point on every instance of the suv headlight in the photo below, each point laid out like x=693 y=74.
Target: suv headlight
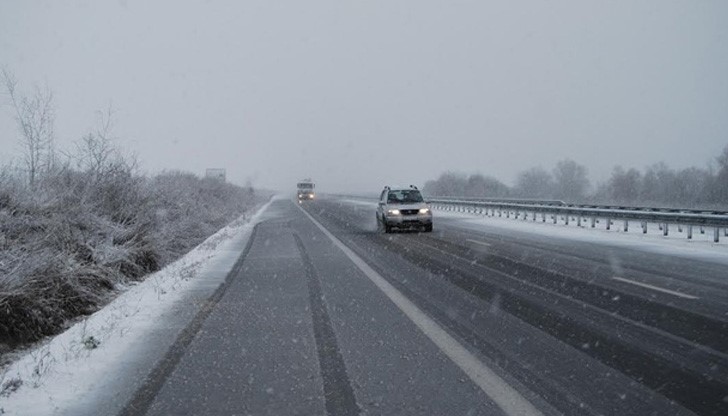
x=424 y=210
x=393 y=211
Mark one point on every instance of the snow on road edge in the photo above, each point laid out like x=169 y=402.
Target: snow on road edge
x=52 y=377
x=701 y=247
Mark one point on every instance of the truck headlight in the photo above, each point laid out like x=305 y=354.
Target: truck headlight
x=393 y=211
x=424 y=210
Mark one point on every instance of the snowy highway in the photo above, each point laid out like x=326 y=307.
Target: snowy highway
x=265 y=208
x=326 y=315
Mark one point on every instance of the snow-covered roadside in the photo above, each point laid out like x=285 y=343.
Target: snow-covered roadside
x=675 y=244
x=75 y=367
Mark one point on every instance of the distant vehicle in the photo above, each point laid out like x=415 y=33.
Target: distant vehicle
x=305 y=190
x=403 y=208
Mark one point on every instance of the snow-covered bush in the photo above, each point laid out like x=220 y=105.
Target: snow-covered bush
x=187 y=209
x=67 y=243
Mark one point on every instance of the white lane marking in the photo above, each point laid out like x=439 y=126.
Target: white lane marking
x=659 y=289
x=482 y=243
x=505 y=396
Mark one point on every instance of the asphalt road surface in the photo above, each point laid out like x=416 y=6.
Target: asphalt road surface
x=327 y=315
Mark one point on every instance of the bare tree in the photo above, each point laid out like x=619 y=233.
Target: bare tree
x=485 y=186
x=624 y=185
x=570 y=180
x=448 y=184
x=35 y=116
x=534 y=183
x=96 y=152
x=720 y=183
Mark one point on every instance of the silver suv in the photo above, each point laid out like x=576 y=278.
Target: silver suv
x=403 y=208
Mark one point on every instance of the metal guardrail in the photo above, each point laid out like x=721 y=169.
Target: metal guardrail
x=579 y=213
x=506 y=200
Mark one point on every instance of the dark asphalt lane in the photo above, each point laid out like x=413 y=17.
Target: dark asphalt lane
x=623 y=349
x=302 y=330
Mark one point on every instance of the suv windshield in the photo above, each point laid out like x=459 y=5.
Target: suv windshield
x=405 y=196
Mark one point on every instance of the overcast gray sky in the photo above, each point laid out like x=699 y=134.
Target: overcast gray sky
x=358 y=94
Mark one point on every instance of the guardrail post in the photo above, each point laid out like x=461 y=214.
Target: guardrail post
x=682 y=219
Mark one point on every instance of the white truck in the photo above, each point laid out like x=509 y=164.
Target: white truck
x=305 y=190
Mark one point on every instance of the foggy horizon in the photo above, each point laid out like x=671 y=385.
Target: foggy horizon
x=357 y=96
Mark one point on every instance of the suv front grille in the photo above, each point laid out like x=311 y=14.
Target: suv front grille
x=409 y=211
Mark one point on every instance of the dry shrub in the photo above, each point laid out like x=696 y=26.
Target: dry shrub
x=44 y=293
x=64 y=246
